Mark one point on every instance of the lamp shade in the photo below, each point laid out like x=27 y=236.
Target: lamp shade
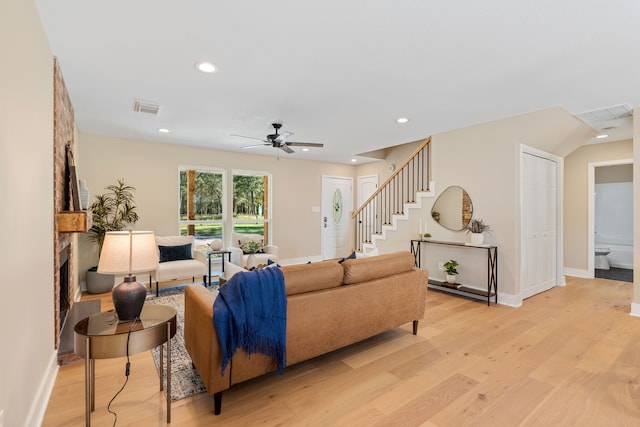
x=126 y=252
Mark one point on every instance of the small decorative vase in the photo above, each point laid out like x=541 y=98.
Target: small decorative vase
x=251 y=262
x=451 y=278
x=477 y=238
x=215 y=245
x=128 y=298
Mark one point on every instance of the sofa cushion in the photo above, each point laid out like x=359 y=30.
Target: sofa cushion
x=180 y=269
x=370 y=268
x=301 y=278
x=175 y=253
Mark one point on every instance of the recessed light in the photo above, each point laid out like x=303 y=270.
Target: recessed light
x=164 y=130
x=402 y=120
x=305 y=149
x=354 y=160
x=603 y=135
x=206 y=67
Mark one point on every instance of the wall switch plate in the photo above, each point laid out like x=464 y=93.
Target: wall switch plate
x=441 y=265
x=1 y=417
x=315 y=208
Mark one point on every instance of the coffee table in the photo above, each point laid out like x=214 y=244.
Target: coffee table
x=102 y=336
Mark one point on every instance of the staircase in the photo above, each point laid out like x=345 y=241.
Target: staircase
x=391 y=202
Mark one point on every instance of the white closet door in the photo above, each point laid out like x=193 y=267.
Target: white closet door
x=539 y=227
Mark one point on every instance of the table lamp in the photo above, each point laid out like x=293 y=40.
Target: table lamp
x=128 y=252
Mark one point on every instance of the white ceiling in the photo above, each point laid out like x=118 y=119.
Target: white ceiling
x=338 y=72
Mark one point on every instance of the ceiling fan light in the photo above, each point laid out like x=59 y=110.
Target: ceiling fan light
x=206 y=67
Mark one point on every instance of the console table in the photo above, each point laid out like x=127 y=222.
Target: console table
x=492 y=269
x=103 y=336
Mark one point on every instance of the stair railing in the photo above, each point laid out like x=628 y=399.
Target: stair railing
x=389 y=199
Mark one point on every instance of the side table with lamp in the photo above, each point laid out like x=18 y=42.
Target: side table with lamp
x=131 y=328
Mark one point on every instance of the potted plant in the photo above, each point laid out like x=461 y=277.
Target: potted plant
x=114 y=210
x=477 y=227
x=450 y=269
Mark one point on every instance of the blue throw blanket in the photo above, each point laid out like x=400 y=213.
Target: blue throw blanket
x=251 y=312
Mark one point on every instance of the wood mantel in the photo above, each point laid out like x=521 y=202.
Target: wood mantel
x=74 y=221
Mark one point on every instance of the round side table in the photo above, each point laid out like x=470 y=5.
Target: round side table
x=103 y=336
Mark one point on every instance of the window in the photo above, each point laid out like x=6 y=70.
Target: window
x=201 y=203
x=251 y=203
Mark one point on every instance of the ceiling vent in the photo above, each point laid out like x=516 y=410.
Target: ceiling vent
x=146 y=107
x=606 y=114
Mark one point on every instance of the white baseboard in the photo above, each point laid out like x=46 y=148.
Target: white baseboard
x=509 y=300
x=41 y=400
x=635 y=309
x=585 y=274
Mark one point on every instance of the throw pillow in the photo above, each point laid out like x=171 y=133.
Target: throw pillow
x=175 y=253
x=272 y=263
x=251 y=246
x=352 y=256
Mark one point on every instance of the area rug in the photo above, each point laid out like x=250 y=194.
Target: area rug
x=185 y=380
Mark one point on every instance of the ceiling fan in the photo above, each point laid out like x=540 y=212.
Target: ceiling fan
x=279 y=140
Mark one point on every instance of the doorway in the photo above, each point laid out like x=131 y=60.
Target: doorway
x=610 y=219
x=337 y=205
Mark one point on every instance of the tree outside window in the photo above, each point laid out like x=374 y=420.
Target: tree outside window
x=250 y=203
x=201 y=203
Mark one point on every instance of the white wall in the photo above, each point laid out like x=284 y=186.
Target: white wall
x=614 y=221
x=635 y=305
x=28 y=362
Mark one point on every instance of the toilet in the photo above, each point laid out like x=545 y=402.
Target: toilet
x=602 y=262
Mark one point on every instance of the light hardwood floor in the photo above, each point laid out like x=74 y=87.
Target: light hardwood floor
x=567 y=357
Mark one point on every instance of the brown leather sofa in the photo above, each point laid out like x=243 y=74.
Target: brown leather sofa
x=329 y=305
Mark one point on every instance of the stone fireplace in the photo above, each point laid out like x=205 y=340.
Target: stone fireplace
x=65 y=278
x=63 y=274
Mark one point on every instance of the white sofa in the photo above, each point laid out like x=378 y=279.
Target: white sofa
x=239 y=258
x=180 y=261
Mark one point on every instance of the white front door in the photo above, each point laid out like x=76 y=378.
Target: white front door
x=337 y=205
x=539 y=224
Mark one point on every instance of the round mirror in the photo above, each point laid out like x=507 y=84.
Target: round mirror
x=453 y=209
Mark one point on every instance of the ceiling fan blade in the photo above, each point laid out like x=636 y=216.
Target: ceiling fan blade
x=248 y=137
x=282 y=137
x=286 y=149
x=305 y=144
x=256 y=146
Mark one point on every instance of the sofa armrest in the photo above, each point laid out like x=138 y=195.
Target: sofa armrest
x=272 y=250
x=200 y=256
x=201 y=338
x=236 y=256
